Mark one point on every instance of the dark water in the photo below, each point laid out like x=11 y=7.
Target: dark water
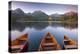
x=37 y=30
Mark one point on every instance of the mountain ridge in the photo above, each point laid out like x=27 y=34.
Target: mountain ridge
x=39 y=15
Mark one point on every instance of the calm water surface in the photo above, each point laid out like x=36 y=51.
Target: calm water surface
x=37 y=30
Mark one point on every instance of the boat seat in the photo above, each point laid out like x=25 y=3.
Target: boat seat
x=16 y=48
x=66 y=42
x=48 y=41
x=71 y=46
x=49 y=45
x=49 y=48
x=49 y=37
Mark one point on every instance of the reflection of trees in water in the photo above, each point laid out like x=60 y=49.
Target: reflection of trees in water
x=17 y=26
x=42 y=25
x=36 y=25
x=21 y=26
x=70 y=25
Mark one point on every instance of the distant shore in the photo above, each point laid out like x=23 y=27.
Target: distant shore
x=50 y=21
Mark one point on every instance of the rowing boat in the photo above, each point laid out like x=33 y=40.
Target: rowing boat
x=49 y=43
x=69 y=43
x=20 y=44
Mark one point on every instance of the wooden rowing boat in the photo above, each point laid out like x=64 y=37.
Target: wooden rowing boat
x=49 y=43
x=69 y=43
x=20 y=44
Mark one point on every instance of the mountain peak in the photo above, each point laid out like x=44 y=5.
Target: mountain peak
x=18 y=10
x=38 y=11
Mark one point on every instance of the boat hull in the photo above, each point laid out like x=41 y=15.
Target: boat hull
x=49 y=43
x=19 y=44
x=69 y=43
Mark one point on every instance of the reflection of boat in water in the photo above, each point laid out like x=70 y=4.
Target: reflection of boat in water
x=69 y=43
x=20 y=44
x=49 y=43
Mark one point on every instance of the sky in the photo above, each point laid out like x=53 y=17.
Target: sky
x=45 y=7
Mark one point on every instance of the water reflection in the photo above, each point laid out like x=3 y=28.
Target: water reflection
x=37 y=31
x=42 y=25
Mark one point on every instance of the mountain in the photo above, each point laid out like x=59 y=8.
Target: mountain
x=39 y=15
x=70 y=16
x=16 y=14
x=55 y=16
x=71 y=13
x=18 y=11
x=20 y=15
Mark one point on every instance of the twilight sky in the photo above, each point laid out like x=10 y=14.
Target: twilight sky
x=45 y=7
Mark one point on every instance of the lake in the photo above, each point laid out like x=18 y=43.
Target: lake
x=38 y=30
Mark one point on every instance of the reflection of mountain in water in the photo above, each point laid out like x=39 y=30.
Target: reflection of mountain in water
x=18 y=15
x=42 y=25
